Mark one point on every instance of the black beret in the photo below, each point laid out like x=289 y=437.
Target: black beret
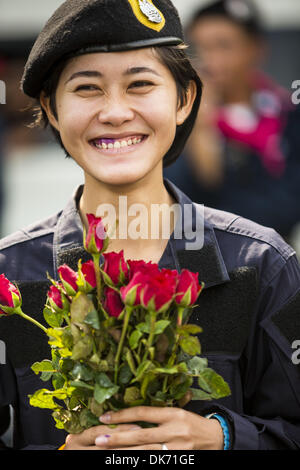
x=99 y=25
x=86 y=26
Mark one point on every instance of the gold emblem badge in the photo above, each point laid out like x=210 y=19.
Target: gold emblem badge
x=147 y=14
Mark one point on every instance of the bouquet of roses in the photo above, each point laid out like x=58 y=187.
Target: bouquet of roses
x=119 y=337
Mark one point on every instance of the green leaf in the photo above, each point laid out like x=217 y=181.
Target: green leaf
x=82 y=348
x=44 y=398
x=197 y=364
x=143 y=327
x=53 y=318
x=166 y=370
x=131 y=395
x=190 y=345
x=180 y=386
x=189 y=329
x=44 y=366
x=145 y=383
x=66 y=365
x=87 y=419
x=58 y=380
x=82 y=372
x=101 y=394
x=130 y=362
x=69 y=420
x=79 y=384
x=92 y=319
x=103 y=380
x=45 y=376
x=142 y=368
x=213 y=383
x=96 y=408
x=134 y=339
x=200 y=394
x=81 y=306
x=125 y=374
x=160 y=326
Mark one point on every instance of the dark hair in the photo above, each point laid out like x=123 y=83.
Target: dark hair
x=251 y=23
x=173 y=57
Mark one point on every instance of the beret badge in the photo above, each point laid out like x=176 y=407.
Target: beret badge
x=147 y=14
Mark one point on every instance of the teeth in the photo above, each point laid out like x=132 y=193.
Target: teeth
x=119 y=144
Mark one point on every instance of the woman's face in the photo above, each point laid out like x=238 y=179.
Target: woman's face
x=117 y=114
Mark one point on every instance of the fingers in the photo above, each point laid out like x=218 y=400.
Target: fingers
x=140 y=413
x=87 y=437
x=140 y=437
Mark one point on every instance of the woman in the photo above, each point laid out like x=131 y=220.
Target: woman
x=122 y=99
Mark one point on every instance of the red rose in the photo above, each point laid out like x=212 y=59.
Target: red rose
x=10 y=297
x=88 y=271
x=142 y=267
x=158 y=292
x=69 y=279
x=57 y=299
x=116 y=267
x=112 y=304
x=188 y=288
x=130 y=294
x=96 y=239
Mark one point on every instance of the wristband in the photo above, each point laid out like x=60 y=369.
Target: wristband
x=224 y=426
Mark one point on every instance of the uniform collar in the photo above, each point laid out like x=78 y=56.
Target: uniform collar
x=208 y=260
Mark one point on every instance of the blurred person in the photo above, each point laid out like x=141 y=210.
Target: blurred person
x=95 y=89
x=235 y=159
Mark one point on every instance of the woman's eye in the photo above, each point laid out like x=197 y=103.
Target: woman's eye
x=86 y=88
x=141 y=84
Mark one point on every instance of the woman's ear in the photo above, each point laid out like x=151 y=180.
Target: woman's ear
x=45 y=104
x=184 y=111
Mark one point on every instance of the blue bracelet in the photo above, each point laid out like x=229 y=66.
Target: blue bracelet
x=224 y=426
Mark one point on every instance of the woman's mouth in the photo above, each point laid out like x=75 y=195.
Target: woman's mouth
x=118 y=145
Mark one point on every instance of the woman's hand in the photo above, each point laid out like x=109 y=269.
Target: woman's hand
x=86 y=439
x=177 y=428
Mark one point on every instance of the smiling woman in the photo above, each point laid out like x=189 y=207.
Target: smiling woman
x=112 y=79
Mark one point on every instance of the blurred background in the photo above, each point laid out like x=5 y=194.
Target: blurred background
x=244 y=155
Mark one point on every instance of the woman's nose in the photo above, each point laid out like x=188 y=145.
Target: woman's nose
x=115 y=111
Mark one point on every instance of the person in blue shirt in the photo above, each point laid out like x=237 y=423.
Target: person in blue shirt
x=122 y=98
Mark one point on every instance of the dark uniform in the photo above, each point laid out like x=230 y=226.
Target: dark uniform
x=249 y=311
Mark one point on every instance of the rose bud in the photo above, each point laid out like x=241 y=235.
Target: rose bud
x=115 y=268
x=188 y=288
x=57 y=299
x=89 y=275
x=130 y=294
x=95 y=240
x=69 y=279
x=158 y=293
x=10 y=297
x=112 y=304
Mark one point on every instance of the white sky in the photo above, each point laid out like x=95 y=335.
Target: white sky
x=19 y=17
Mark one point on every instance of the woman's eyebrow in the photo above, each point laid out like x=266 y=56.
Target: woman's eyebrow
x=135 y=70
x=97 y=74
x=84 y=73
